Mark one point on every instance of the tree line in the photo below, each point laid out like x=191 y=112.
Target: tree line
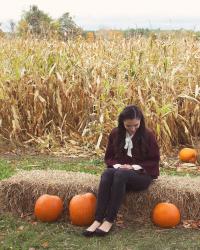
x=37 y=23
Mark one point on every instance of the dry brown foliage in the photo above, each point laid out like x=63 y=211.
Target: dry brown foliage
x=55 y=94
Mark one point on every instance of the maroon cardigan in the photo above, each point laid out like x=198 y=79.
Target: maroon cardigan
x=150 y=163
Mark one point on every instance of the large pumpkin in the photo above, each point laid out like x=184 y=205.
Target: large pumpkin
x=48 y=208
x=166 y=215
x=188 y=155
x=82 y=209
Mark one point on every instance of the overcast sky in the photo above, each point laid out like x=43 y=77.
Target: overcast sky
x=91 y=14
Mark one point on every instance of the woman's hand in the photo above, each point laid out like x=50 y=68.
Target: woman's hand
x=126 y=166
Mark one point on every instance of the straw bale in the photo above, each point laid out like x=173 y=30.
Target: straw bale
x=19 y=193
x=183 y=191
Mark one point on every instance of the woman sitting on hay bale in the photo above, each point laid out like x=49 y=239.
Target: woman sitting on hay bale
x=132 y=159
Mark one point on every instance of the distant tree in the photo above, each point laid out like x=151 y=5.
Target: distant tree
x=12 y=26
x=1 y=31
x=68 y=27
x=23 y=27
x=35 y=22
x=54 y=29
x=136 y=32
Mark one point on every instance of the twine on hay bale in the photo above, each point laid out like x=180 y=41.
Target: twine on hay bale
x=19 y=193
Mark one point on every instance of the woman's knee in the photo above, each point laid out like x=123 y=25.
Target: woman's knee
x=139 y=182
x=108 y=174
x=120 y=175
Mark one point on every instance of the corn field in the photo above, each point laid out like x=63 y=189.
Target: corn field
x=62 y=95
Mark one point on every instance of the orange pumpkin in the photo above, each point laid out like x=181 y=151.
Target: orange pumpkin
x=82 y=209
x=166 y=215
x=48 y=208
x=188 y=155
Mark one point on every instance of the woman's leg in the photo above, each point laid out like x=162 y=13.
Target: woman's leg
x=104 y=193
x=102 y=200
x=123 y=177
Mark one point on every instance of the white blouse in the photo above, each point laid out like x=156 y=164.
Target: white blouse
x=128 y=146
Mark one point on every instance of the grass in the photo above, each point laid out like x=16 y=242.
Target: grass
x=22 y=234
x=11 y=166
x=94 y=166
x=19 y=234
x=6 y=169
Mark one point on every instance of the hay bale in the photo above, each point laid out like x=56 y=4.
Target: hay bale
x=184 y=192
x=19 y=193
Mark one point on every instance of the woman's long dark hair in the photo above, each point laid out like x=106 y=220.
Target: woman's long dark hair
x=131 y=112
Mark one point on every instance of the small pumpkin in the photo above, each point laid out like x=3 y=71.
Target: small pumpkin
x=82 y=209
x=166 y=215
x=48 y=208
x=188 y=155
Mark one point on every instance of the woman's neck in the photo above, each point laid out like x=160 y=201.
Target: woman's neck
x=130 y=134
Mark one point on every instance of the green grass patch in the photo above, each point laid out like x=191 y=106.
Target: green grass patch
x=19 y=234
x=11 y=166
x=6 y=169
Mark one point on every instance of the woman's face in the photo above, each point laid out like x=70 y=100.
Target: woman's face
x=131 y=125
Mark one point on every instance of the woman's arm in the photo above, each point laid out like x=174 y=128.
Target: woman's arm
x=151 y=163
x=110 y=154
